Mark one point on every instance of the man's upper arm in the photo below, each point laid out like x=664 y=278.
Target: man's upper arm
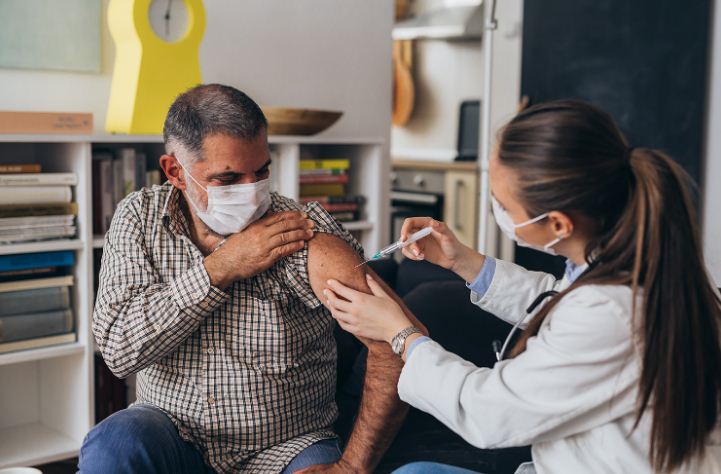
x=330 y=256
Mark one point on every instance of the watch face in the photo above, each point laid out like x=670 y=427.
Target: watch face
x=396 y=346
x=169 y=19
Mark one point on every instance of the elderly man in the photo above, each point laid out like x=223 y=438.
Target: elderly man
x=211 y=291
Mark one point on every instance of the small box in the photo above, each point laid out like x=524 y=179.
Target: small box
x=46 y=123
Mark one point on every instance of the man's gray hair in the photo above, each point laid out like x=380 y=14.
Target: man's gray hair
x=207 y=110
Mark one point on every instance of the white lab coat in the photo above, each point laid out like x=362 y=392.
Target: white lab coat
x=571 y=394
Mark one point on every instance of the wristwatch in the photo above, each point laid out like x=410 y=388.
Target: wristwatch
x=398 y=343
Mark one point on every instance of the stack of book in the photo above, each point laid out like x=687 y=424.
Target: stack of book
x=35 y=300
x=36 y=206
x=325 y=181
x=116 y=173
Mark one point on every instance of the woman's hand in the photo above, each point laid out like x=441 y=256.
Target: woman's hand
x=375 y=316
x=441 y=248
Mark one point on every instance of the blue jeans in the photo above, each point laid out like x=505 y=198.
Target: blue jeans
x=431 y=468
x=142 y=439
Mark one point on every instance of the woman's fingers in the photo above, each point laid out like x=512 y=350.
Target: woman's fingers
x=375 y=287
x=414 y=224
x=337 y=303
x=348 y=293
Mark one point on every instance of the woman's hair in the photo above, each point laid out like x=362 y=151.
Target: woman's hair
x=569 y=156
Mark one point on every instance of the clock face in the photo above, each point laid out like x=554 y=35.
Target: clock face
x=169 y=19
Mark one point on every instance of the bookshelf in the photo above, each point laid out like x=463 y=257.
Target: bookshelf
x=47 y=394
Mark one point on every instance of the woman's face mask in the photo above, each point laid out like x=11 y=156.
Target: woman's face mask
x=232 y=208
x=506 y=224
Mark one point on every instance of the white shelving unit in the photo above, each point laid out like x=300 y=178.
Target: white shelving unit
x=47 y=394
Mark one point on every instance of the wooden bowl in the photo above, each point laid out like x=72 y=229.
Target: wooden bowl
x=285 y=121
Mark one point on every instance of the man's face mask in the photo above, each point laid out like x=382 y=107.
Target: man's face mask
x=506 y=224
x=232 y=208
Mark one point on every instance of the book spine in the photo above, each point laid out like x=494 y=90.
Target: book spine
x=37 y=343
x=39 y=179
x=35 y=194
x=30 y=325
x=340 y=164
x=10 y=168
x=360 y=200
x=322 y=172
x=23 y=261
x=106 y=203
x=127 y=155
x=40 y=209
x=118 y=182
x=39 y=300
x=322 y=190
x=141 y=167
x=324 y=179
x=352 y=207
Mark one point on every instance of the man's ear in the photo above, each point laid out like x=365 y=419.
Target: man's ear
x=173 y=171
x=561 y=224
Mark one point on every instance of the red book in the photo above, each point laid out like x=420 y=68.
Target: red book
x=324 y=179
x=340 y=207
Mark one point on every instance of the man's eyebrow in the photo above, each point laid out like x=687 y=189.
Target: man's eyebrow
x=236 y=174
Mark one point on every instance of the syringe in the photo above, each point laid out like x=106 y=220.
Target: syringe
x=396 y=246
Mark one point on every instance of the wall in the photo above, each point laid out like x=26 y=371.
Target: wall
x=448 y=72
x=332 y=54
x=712 y=168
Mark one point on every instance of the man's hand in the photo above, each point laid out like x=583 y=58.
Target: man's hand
x=257 y=247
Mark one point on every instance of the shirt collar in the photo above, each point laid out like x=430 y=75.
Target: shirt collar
x=574 y=271
x=173 y=218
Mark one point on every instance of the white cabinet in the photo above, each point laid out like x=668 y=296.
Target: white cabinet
x=46 y=395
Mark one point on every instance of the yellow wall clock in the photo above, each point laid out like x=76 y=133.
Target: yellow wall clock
x=157 y=56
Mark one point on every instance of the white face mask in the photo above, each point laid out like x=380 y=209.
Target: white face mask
x=506 y=224
x=232 y=208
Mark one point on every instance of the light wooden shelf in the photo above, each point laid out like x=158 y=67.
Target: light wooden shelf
x=42 y=353
x=47 y=246
x=35 y=443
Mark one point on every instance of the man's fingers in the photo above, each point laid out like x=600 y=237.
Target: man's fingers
x=287 y=249
x=282 y=216
x=287 y=225
x=279 y=240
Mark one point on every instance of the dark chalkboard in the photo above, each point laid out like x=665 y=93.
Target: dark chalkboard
x=643 y=61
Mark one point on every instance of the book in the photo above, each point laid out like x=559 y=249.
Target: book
x=40 y=209
x=322 y=190
x=36 y=221
x=29 y=273
x=324 y=179
x=128 y=159
x=38 y=300
x=360 y=200
x=345 y=216
x=31 y=235
x=17 y=327
x=66 y=280
x=118 y=181
x=22 y=261
x=35 y=194
x=152 y=178
x=39 y=179
x=20 y=168
x=141 y=168
x=36 y=343
x=103 y=193
x=322 y=172
x=337 y=164
x=46 y=122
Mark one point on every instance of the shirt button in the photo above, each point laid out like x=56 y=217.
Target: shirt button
x=158 y=328
x=211 y=400
x=197 y=295
x=211 y=350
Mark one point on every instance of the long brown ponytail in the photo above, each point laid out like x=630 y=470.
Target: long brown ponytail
x=571 y=157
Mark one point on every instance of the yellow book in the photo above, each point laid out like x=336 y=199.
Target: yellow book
x=337 y=164
x=322 y=190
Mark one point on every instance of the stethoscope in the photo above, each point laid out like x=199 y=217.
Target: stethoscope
x=499 y=349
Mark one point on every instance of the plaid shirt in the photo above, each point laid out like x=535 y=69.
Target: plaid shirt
x=248 y=374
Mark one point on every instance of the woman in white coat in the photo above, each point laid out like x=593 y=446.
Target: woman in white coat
x=620 y=371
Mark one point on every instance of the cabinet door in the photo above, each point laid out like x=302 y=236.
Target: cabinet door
x=461 y=205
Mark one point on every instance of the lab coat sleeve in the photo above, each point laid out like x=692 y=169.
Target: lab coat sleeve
x=578 y=373
x=512 y=290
